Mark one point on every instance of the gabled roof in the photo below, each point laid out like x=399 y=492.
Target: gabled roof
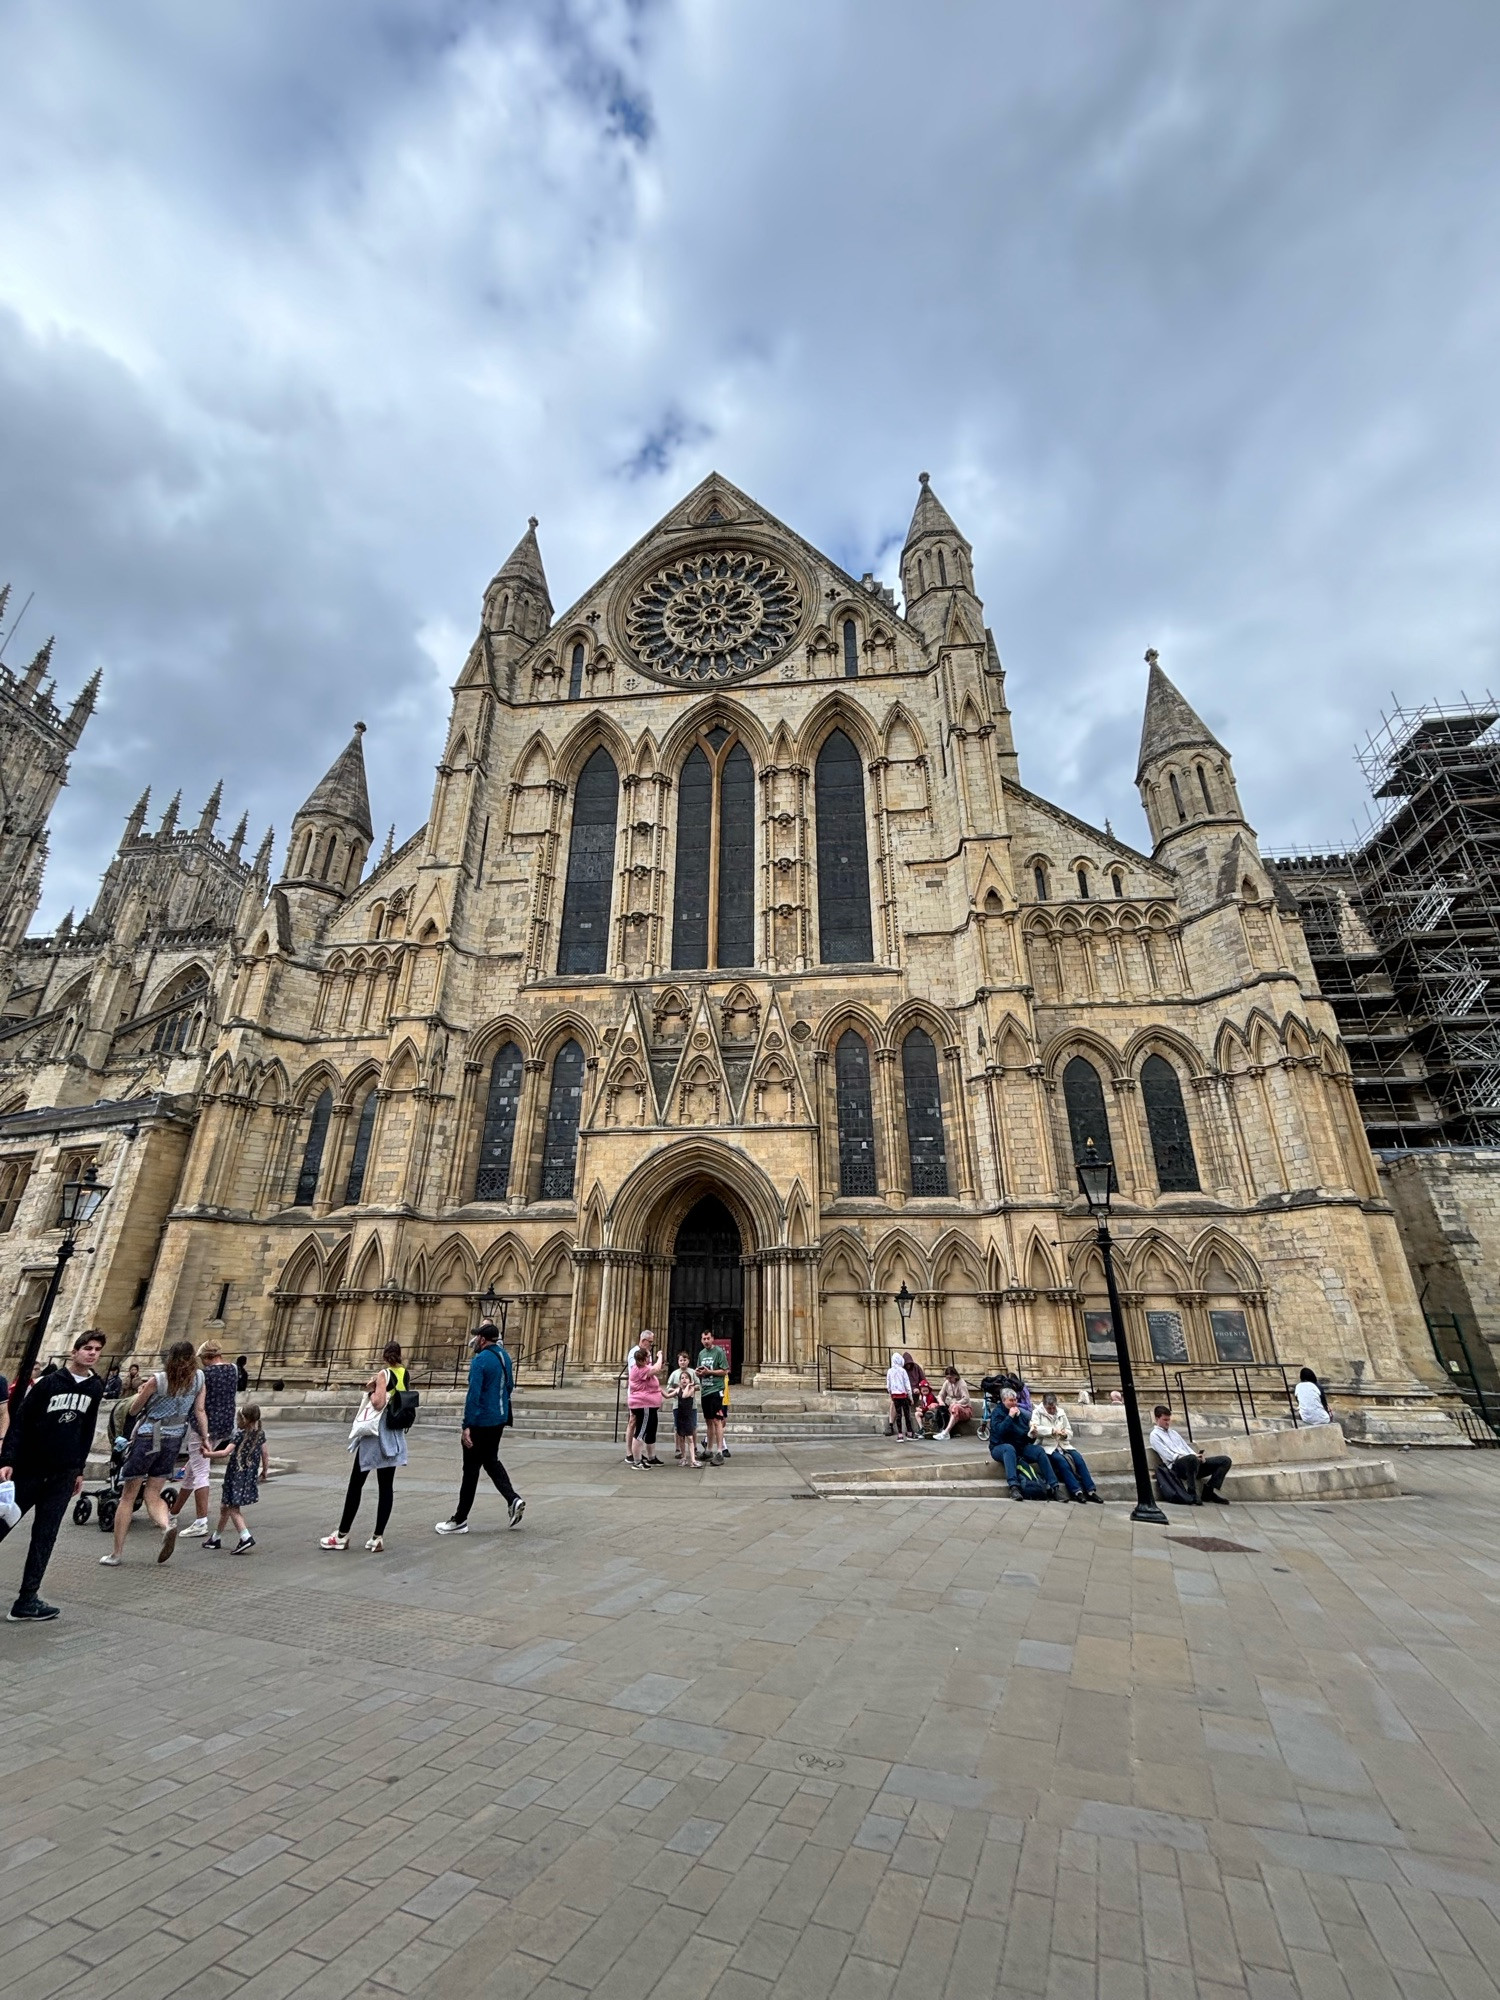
x=341 y=793
x=1170 y=722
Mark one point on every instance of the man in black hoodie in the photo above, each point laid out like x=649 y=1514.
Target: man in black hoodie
x=45 y=1451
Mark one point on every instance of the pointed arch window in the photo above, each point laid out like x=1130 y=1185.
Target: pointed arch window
x=1083 y=884
x=1166 y=1120
x=359 y=1159
x=1203 y=787
x=856 y=1117
x=851 y=650
x=564 y=1105
x=1088 y=1118
x=312 y=1152
x=1117 y=883
x=591 y=867
x=1177 y=795
x=925 y=1144
x=713 y=902
x=942 y=570
x=575 y=674
x=844 y=936
x=1039 y=881
x=492 y=1182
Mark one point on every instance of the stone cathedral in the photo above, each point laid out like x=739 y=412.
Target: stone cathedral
x=736 y=979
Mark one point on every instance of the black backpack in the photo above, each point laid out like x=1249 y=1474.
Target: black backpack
x=401 y=1406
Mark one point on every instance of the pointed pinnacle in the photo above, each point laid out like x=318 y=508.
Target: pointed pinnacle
x=169 y=817
x=237 y=838
x=211 y=810
x=39 y=666
x=262 y=862
x=390 y=846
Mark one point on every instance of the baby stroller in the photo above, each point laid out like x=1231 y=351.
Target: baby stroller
x=107 y=1497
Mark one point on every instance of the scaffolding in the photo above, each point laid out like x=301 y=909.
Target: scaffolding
x=1404 y=928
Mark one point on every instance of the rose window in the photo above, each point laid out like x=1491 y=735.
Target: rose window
x=715 y=616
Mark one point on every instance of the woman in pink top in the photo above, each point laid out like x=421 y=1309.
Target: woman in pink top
x=644 y=1396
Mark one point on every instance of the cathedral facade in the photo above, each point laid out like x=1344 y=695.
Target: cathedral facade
x=736 y=979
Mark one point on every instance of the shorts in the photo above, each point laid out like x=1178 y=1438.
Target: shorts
x=713 y=1406
x=197 y=1465
x=685 y=1420
x=152 y=1454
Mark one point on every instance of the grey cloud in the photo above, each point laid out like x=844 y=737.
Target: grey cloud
x=1190 y=313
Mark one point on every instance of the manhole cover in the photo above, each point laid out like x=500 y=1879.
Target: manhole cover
x=1212 y=1545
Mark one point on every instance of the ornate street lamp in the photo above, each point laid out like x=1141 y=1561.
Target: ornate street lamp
x=78 y=1205
x=1096 y=1178
x=493 y=1307
x=905 y=1300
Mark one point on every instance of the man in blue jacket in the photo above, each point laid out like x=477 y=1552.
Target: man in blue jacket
x=1011 y=1444
x=492 y=1377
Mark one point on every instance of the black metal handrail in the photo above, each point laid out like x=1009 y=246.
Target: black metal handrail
x=1242 y=1385
x=552 y=1361
x=823 y=1361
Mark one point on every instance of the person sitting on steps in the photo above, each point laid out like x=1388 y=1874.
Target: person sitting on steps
x=1011 y=1446
x=1185 y=1474
x=1052 y=1431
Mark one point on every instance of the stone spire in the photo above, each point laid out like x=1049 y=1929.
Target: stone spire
x=32 y=679
x=390 y=847
x=937 y=570
x=237 y=838
x=262 y=862
x=137 y=820
x=518 y=602
x=169 y=817
x=210 y=812
x=331 y=830
x=83 y=707
x=1170 y=722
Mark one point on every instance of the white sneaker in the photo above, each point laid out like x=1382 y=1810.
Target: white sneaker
x=334 y=1541
x=517 y=1509
x=199 y=1527
x=110 y=1561
x=452 y=1527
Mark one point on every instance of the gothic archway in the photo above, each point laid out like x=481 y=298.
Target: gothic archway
x=707 y=1290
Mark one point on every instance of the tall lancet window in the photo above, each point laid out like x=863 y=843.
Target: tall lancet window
x=575 y=675
x=1166 y=1121
x=564 y=1106
x=851 y=650
x=591 y=868
x=843 y=856
x=713 y=905
x=312 y=1152
x=492 y=1183
x=1083 y=1095
x=856 y=1117
x=359 y=1158
x=925 y=1145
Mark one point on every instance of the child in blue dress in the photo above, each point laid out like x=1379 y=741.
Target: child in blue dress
x=249 y=1461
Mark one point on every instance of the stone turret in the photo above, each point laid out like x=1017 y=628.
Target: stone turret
x=1186 y=783
x=937 y=571
x=518 y=605
x=36 y=741
x=331 y=832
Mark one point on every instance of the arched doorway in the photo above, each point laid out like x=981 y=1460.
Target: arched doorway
x=708 y=1283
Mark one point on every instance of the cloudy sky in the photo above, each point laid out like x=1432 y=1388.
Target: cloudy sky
x=1190 y=310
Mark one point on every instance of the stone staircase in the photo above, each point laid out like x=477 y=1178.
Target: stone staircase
x=1272 y=1462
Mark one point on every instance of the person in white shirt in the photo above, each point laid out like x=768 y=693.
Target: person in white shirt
x=1312 y=1404
x=898 y=1388
x=1186 y=1473
x=1052 y=1431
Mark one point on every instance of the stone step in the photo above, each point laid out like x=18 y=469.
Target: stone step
x=1338 y=1479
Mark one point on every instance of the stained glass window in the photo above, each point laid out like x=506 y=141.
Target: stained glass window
x=1083 y=1094
x=851 y=1075
x=312 y=1152
x=564 y=1106
x=492 y=1183
x=851 y=650
x=575 y=675
x=359 y=1159
x=924 y=1114
x=1166 y=1120
x=736 y=913
x=591 y=867
x=695 y=809
x=843 y=863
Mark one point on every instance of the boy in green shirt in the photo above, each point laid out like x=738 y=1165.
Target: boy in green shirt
x=713 y=1373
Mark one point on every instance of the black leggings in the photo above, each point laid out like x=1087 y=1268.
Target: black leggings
x=901 y=1415
x=385 y=1479
x=645 y=1426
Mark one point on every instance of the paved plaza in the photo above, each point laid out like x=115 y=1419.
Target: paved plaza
x=689 y=1735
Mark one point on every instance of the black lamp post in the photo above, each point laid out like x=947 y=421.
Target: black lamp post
x=905 y=1300
x=1095 y=1177
x=80 y=1200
